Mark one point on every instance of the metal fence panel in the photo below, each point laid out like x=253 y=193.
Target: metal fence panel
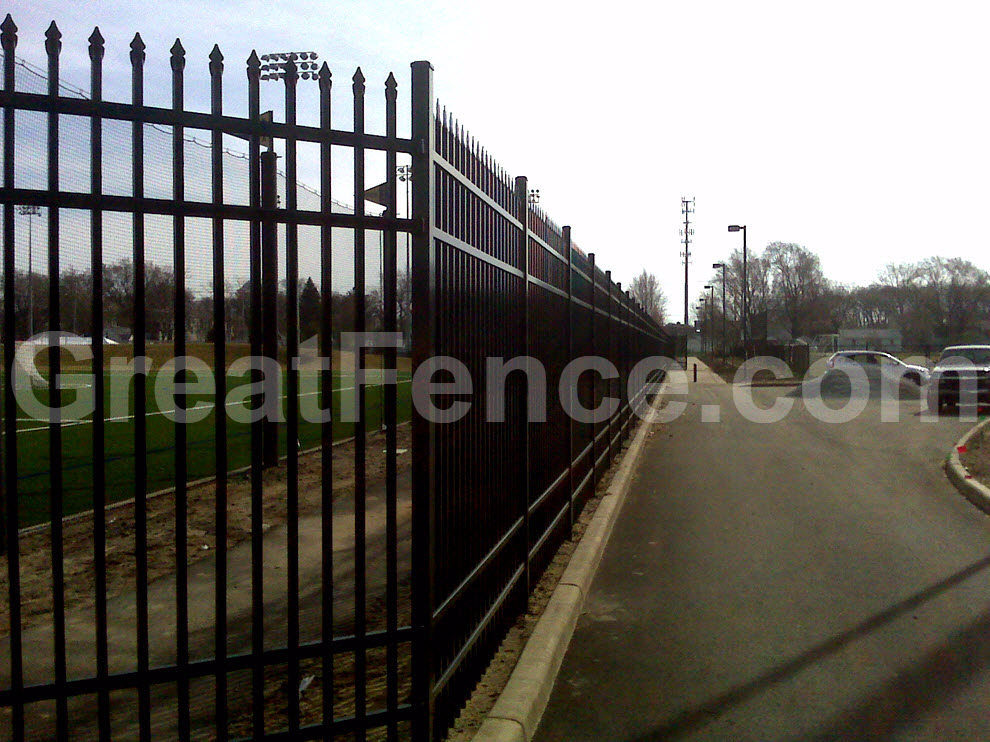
x=217 y=646
x=497 y=280
x=385 y=589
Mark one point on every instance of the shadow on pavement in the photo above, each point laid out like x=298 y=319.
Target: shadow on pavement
x=912 y=692
x=965 y=413
x=936 y=676
x=870 y=384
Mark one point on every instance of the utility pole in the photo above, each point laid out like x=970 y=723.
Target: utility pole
x=687 y=208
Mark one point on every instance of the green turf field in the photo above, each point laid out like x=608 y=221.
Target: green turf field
x=33 y=438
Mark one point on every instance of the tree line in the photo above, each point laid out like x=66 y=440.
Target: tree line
x=75 y=293
x=936 y=301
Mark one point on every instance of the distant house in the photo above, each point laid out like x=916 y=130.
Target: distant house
x=676 y=329
x=871 y=339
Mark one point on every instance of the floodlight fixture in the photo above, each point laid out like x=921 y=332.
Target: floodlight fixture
x=277 y=61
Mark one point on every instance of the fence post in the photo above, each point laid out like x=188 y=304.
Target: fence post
x=423 y=430
x=627 y=342
x=594 y=377
x=522 y=205
x=570 y=357
x=269 y=302
x=389 y=415
x=608 y=351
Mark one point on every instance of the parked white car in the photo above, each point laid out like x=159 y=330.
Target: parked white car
x=890 y=366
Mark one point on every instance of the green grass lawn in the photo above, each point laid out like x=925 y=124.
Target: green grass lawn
x=77 y=456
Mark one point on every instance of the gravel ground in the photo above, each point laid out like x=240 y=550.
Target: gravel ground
x=493 y=682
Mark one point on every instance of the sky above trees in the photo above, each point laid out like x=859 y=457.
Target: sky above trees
x=854 y=129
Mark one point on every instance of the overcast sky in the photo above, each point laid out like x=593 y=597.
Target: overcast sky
x=856 y=129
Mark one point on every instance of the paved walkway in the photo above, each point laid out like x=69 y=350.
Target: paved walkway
x=793 y=580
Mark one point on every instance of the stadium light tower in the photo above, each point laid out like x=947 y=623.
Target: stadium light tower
x=274 y=65
x=30 y=211
x=404 y=173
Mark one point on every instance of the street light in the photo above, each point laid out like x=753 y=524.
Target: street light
x=702 y=303
x=745 y=318
x=722 y=266
x=711 y=315
x=30 y=210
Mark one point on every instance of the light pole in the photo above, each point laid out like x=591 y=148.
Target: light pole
x=701 y=313
x=745 y=317
x=711 y=317
x=277 y=66
x=722 y=266
x=30 y=211
x=405 y=175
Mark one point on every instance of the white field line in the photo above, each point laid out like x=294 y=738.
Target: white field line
x=199 y=405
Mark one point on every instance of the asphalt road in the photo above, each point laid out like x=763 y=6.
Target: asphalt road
x=794 y=580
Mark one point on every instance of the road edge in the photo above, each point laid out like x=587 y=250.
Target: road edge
x=970 y=488
x=519 y=708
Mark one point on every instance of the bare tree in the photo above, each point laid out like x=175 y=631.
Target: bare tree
x=937 y=300
x=797 y=283
x=647 y=291
x=309 y=310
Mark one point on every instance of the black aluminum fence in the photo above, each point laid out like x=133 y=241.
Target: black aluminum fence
x=501 y=481
x=344 y=589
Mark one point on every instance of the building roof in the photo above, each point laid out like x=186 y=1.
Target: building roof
x=869 y=332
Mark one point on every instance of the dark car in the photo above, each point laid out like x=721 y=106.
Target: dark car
x=962 y=373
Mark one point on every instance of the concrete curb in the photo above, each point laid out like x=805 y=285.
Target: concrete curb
x=976 y=493
x=517 y=713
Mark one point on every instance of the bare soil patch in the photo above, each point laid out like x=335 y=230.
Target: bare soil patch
x=36 y=582
x=35 y=547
